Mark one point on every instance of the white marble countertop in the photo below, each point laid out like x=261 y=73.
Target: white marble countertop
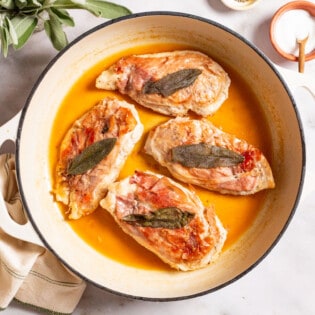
x=284 y=282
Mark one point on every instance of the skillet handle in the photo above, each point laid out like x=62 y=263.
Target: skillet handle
x=296 y=80
x=24 y=232
x=8 y=131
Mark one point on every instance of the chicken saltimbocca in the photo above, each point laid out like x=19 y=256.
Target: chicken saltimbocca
x=197 y=152
x=93 y=152
x=166 y=218
x=171 y=83
x=161 y=214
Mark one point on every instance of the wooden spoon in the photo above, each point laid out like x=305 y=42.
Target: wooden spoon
x=302 y=44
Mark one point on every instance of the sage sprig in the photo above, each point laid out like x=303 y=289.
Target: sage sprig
x=19 y=18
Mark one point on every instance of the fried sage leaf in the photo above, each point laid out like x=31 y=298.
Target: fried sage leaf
x=171 y=82
x=203 y=155
x=91 y=156
x=168 y=218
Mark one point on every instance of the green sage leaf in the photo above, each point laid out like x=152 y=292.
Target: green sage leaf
x=24 y=27
x=169 y=218
x=11 y=31
x=91 y=156
x=53 y=28
x=8 y=4
x=28 y=6
x=63 y=16
x=34 y=3
x=171 y=82
x=203 y=155
x=21 y=4
x=4 y=40
x=104 y=9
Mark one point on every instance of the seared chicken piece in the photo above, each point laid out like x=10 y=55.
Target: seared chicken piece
x=202 y=87
x=167 y=219
x=197 y=152
x=81 y=190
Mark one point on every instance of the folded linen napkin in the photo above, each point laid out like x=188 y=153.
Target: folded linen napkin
x=30 y=273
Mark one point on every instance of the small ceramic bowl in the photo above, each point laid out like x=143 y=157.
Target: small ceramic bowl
x=240 y=4
x=294 y=5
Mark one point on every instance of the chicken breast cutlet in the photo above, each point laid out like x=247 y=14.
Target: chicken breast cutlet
x=92 y=154
x=170 y=83
x=197 y=152
x=167 y=219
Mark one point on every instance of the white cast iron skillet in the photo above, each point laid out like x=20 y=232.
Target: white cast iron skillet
x=32 y=141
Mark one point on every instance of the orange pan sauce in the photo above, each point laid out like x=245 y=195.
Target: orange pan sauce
x=239 y=115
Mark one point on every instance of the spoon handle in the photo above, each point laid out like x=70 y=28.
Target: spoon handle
x=302 y=44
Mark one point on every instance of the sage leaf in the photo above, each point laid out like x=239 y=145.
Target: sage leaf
x=204 y=155
x=4 y=38
x=171 y=82
x=28 y=6
x=24 y=27
x=21 y=4
x=63 y=16
x=104 y=9
x=8 y=4
x=91 y=156
x=169 y=218
x=34 y=3
x=11 y=31
x=53 y=28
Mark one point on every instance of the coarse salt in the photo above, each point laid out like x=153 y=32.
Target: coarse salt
x=293 y=25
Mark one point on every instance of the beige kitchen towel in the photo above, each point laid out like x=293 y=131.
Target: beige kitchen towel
x=30 y=273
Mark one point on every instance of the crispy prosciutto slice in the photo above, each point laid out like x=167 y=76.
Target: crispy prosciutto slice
x=92 y=154
x=170 y=83
x=197 y=152
x=166 y=218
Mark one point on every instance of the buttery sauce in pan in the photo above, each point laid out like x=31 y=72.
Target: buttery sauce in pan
x=239 y=115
